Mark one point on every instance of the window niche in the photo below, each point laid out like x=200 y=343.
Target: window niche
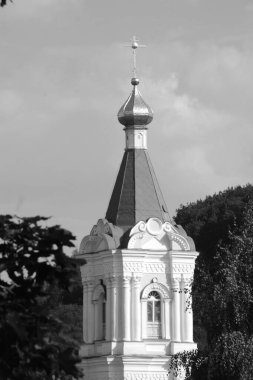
x=155 y=302
x=99 y=302
x=154 y=315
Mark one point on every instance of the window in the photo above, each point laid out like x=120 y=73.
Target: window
x=155 y=311
x=154 y=315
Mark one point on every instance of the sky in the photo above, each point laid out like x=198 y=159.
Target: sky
x=65 y=72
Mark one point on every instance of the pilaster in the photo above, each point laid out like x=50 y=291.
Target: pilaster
x=136 y=309
x=114 y=308
x=96 y=319
x=187 y=312
x=176 y=311
x=90 y=312
x=167 y=318
x=144 y=319
x=126 y=309
x=108 y=310
x=85 y=311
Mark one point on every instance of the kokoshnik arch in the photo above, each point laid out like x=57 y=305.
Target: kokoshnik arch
x=135 y=314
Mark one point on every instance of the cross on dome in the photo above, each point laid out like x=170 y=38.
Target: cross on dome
x=134 y=45
x=135 y=113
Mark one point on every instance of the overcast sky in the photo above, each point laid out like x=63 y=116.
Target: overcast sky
x=64 y=73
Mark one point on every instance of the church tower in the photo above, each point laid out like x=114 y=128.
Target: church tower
x=139 y=266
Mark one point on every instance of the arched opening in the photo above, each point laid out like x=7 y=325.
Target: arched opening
x=139 y=140
x=154 y=315
x=101 y=317
x=99 y=301
x=155 y=311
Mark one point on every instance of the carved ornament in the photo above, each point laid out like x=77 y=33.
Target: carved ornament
x=97 y=292
x=146 y=376
x=182 y=268
x=103 y=236
x=155 y=235
x=157 y=286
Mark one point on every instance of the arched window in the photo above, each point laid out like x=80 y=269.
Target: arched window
x=140 y=140
x=154 y=315
x=155 y=311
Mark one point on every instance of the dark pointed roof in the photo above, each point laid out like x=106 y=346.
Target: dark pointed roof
x=136 y=195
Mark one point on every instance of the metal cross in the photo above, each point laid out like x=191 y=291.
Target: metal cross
x=134 y=45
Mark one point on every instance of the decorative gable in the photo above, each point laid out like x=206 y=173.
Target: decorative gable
x=158 y=236
x=103 y=237
x=151 y=235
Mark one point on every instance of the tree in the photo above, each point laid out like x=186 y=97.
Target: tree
x=4 y=2
x=231 y=288
x=209 y=222
x=33 y=268
x=223 y=288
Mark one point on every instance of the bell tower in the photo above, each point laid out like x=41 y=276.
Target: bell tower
x=139 y=268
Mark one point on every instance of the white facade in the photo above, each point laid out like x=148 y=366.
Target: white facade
x=136 y=300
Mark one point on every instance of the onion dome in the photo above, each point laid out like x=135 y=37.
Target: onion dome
x=135 y=113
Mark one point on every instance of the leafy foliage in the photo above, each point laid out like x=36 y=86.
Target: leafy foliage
x=231 y=358
x=223 y=285
x=4 y=2
x=33 y=268
x=190 y=364
x=71 y=317
x=209 y=221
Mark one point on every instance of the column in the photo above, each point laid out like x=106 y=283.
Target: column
x=136 y=310
x=96 y=321
x=126 y=328
x=188 y=316
x=182 y=308
x=90 y=318
x=117 y=309
x=176 y=311
x=114 y=322
x=144 y=318
x=85 y=310
x=108 y=310
x=167 y=319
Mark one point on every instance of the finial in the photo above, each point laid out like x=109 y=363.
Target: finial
x=135 y=113
x=134 y=45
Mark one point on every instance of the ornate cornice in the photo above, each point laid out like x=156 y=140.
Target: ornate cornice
x=183 y=268
x=145 y=376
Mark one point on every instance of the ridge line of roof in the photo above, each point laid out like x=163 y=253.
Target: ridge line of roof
x=151 y=174
x=156 y=183
x=122 y=186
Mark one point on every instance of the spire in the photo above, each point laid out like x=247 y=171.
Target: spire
x=135 y=113
x=136 y=195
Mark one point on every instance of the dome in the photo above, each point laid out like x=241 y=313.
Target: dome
x=135 y=112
